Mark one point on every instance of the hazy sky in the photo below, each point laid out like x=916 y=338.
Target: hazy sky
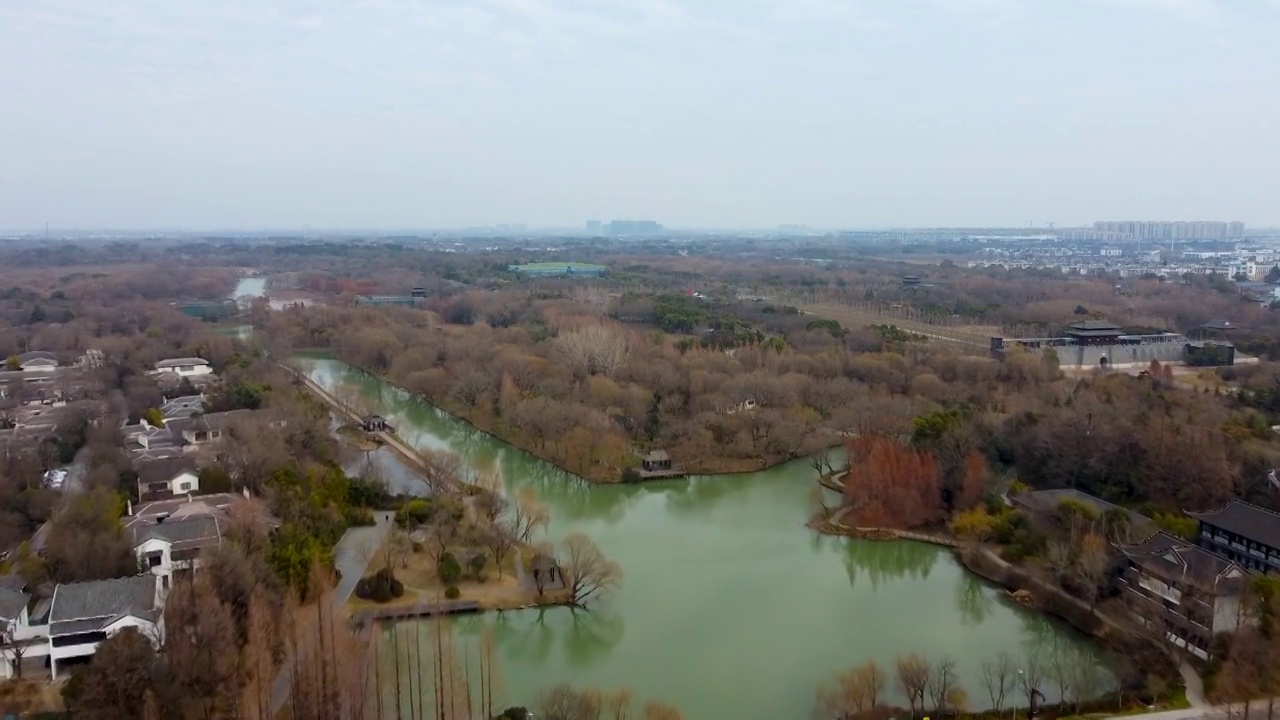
x=434 y=113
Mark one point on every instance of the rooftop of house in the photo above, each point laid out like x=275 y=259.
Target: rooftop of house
x=12 y=603
x=657 y=456
x=157 y=471
x=1175 y=559
x=1046 y=501
x=1218 y=325
x=141 y=455
x=180 y=362
x=183 y=533
x=170 y=380
x=89 y=606
x=27 y=357
x=1246 y=520
x=208 y=422
x=155 y=437
x=182 y=407
x=189 y=506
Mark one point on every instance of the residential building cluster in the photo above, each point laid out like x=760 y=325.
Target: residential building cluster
x=1249 y=259
x=1138 y=230
x=47 y=628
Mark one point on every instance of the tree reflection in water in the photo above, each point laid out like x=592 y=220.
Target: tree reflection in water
x=974 y=599
x=584 y=636
x=888 y=560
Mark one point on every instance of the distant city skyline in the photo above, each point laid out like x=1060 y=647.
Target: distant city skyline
x=1128 y=229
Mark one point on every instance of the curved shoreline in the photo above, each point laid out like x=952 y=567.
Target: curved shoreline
x=424 y=399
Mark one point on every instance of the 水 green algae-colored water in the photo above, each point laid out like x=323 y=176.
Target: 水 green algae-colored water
x=730 y=607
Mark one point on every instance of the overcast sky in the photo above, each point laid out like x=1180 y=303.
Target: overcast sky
x=746 y=113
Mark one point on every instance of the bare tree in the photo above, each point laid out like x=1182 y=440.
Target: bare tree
x=912 y=675
x=1031 y=679
x=589 y=572
x=943 y=684
x=1087 y=676
x=851 y=692
x=528 y=514
x=998 y=677
x=200 y=644
x=12 y=650
x=1093 y=559
x=499 y=541
x=491 y=504
x=593 y=350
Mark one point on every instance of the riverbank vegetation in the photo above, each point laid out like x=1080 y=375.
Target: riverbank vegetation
x=474 y=544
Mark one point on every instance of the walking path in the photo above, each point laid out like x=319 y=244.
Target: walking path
x=351 y=557
x=390 y=440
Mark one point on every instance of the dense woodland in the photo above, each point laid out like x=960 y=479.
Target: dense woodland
x=593 y=373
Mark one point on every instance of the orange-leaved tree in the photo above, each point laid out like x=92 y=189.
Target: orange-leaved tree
x=891 y=485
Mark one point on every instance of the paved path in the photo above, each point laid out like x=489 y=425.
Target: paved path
x=1195 y=685
x=351 y=556
x=1257 y=711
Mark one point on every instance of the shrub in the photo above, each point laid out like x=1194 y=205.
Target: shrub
x=513 y=713
x=452 y=592
x=449 y=570
x=380 y=587
x=416 y=512
x=364 y=588
x=630 y=475
x=476 y=564
x=974 y=524
x=359 y=517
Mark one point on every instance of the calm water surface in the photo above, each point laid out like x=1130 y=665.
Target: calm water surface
x=251 y=286
x=731 y=608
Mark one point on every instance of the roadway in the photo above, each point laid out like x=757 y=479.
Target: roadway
x=351 y=557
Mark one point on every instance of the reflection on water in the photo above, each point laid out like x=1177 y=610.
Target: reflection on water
x=879 y=561
x=730 y=607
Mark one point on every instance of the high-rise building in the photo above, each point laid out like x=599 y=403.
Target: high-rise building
x=1180 y=230
x=634 y=227
x=593 y=227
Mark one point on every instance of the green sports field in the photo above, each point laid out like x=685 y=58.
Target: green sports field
x=546 y=268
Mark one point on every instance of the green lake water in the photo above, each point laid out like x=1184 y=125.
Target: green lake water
x=730 y=607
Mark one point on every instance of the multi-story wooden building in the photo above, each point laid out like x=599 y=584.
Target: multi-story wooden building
x=1187 y=593
x=1243 y=533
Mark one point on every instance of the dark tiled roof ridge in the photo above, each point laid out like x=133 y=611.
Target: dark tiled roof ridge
x=1229 y=503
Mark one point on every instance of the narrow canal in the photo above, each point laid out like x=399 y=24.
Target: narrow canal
x=731 y=608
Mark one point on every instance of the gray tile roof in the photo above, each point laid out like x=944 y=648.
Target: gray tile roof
x=182 y=407
x=208 y=421
x=1046 y=501
x=12 y=603
x=1246 y=520
x=84 y=606
x=183 y=533
x=157 y=471
x=1173 y=558
x=179 y=362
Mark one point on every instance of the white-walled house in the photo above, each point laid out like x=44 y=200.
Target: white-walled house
x=21 y=640
x=185 y=367
x=37 y=361
x=84 y=614
x=167 y=477
x=169 y=536
x=175 y=545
